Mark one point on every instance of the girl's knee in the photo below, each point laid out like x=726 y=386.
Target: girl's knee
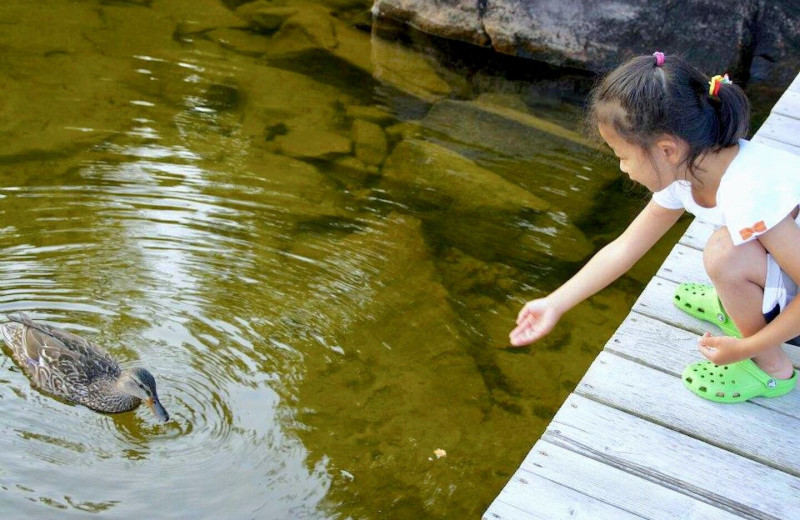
x=726 y=262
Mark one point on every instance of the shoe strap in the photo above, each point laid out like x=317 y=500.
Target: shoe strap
x=749 y=366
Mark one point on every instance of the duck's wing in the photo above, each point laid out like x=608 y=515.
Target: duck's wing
x=59 y=361
x=45 y=349
x=50 y=364
x=69 y=341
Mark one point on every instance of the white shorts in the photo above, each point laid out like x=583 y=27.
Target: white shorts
x=779 y=288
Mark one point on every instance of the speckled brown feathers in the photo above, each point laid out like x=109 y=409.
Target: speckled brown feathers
x=71 y=367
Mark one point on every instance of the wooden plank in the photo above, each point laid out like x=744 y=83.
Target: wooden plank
x=652 y=342
x=530 y=497
x=795 y=85
x=500 y=510
x=763 y=139
x=684 y=264
x=656 y=302
x=658 y=345
x=788 y=105
x=697 y=234
x=747 y=429
x=603 y=480
x=663 y=457
x=781 y=128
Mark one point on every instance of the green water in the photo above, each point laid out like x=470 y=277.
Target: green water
x=272 y=214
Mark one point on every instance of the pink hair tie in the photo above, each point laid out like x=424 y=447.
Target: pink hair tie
x=659 y=58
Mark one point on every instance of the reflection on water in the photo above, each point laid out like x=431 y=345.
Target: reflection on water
x=315 y=248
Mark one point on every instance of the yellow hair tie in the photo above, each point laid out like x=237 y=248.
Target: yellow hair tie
x=715 y=84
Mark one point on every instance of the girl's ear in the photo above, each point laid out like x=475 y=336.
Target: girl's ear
x=671 y=149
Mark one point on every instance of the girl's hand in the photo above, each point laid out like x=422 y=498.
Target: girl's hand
x=536 y=319
x=722 y=350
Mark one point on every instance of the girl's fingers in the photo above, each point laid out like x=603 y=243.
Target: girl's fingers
x=524 y=337
x=532 y=329
x=522 y=325
x=521 y=337
x=524 y=333
x=523 y=314
x=707 y=342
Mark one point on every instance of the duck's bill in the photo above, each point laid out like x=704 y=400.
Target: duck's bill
x=158 y=410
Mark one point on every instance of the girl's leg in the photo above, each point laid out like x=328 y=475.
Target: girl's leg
x=739 y=274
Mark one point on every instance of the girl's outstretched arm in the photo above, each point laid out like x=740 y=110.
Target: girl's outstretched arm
x=538 y=317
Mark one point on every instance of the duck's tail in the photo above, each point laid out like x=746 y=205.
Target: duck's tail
x=19 y=317
x=12 y=332
x=12 y=329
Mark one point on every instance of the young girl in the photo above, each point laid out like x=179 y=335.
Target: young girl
x=682 y=137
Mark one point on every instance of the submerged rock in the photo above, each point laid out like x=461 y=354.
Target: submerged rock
x=306 y=138
x=545 y=158
x=370 y=113
x=317 y=24
x=351 y=172
x=369 y=142
x=390 y=344
x=481 y=212
x=288 y=186
x=407 y=70
x=241 y=40
x=265 y=15
x=536 y=239
x=282 y=28
x=445 y=179
x=405 y=130
x=306 y=125
x=505 y=130
x=63 y=97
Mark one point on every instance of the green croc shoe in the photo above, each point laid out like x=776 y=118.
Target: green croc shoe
x=734 y=383
x=700 y=300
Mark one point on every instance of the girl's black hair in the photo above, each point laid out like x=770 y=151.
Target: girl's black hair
x=642 y=101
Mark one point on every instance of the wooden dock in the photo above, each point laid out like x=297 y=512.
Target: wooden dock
x=632 y=442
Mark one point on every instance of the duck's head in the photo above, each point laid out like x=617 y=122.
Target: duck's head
x=140 y=383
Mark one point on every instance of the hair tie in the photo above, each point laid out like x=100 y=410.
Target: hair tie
x=717 y=82
x=659 y=58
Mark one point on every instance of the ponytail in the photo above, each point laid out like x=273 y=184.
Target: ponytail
x=733 y=111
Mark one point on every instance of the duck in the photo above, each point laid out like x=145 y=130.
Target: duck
x=71 y=367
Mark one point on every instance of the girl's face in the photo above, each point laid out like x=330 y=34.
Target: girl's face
x=652 y=171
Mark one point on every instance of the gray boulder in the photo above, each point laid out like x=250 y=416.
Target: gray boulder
x=454 y=19
x=749 y=38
